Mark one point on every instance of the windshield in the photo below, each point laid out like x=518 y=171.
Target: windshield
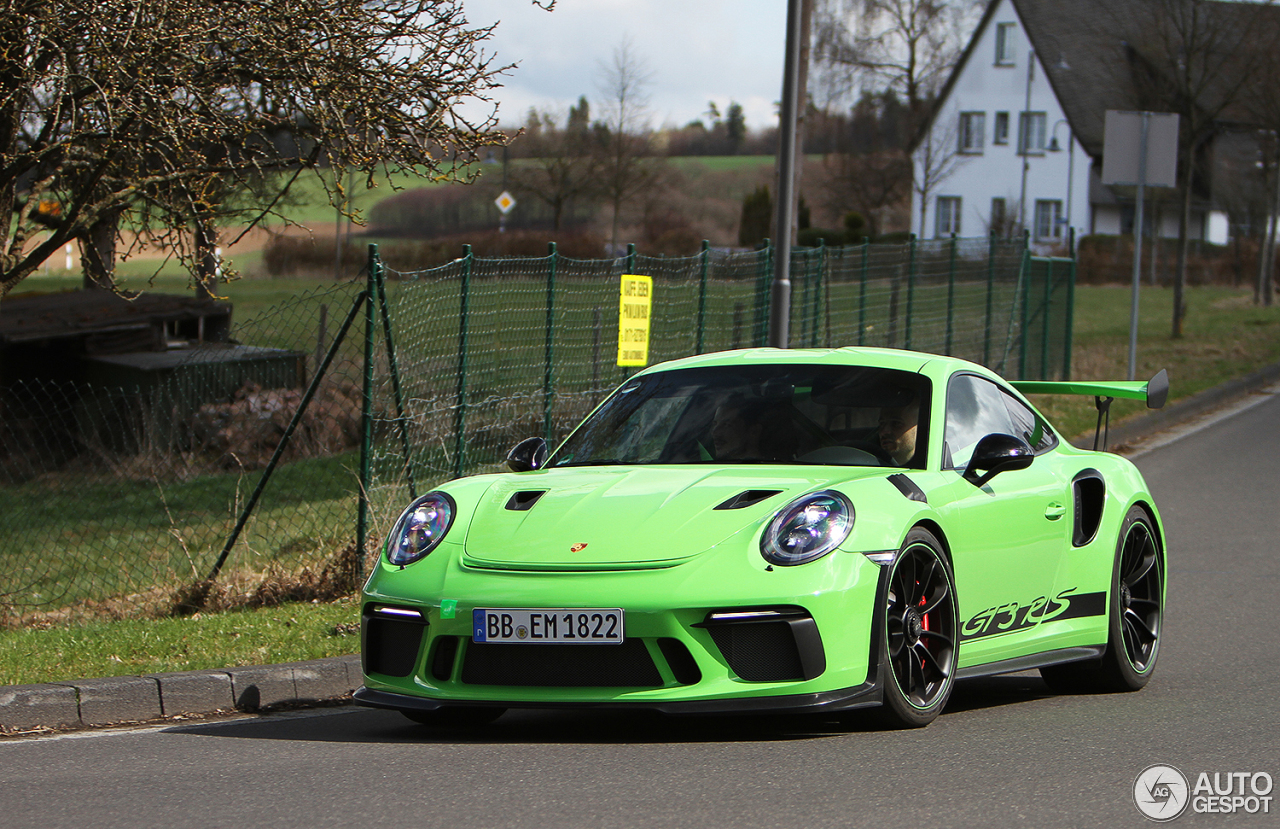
x=794 y=414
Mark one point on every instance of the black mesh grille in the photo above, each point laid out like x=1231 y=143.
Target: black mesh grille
x=391 y=646
x=759 y=651
x=571 y=666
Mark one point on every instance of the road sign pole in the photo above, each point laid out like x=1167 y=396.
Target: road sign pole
x=1137 y=245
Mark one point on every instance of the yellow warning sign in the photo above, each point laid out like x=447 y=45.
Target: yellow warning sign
x=635 y=302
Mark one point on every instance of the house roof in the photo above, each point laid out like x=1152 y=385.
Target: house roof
x=1089 y=50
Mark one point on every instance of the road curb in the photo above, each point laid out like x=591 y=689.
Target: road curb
x=121 y=700
x=57 y=706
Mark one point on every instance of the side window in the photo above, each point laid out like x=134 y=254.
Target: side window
x=975 y=409
x=1029 y=427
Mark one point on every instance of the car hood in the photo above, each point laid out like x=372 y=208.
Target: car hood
x=634 y=517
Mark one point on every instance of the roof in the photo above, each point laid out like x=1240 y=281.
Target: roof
x=35 y=317
x=1095 y=53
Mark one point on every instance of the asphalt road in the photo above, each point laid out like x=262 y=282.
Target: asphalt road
x=1005 y=752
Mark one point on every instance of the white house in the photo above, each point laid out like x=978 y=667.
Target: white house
x=1016 y=139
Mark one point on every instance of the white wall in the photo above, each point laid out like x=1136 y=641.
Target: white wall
x=997 y=172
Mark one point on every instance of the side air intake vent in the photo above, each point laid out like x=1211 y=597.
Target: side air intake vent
x=768 y=644
x=749 y=498
x=521 y=501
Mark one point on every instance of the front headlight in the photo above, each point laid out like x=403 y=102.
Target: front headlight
x=808 y=528
x=421 y=528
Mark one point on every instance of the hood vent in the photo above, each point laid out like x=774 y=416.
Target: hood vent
x=749 y=498
x=521 y=501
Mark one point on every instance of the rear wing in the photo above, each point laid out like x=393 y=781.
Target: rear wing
x=1154 y=392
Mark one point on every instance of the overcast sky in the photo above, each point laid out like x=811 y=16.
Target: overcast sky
x=696 y=50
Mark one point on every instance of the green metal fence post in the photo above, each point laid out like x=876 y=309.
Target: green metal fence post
x=631 y=257
x=1044 y=319
x=702 y=295
x=911 y=288
x=549 y=375
x=764 y=267
x=401 y=425
x=1024 y=288
x=366 y=413
x=815 y=306
x=460 y=405
x=862 y=289
x=991 y=286
x=1071 y=306
x=951 y=295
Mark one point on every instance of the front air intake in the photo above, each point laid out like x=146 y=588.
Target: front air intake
x=768 y=644
x=627 y=665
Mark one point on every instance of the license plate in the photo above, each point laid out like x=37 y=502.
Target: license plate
x=563 y=626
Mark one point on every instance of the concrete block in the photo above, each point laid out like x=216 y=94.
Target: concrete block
x=256 y=688
x=355 y=670
x=195 y=692
x=320 y=679
x=116 y=699
x=24 y=707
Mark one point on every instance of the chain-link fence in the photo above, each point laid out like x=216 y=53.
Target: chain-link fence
x=235 y=468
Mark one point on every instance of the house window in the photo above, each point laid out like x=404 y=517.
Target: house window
x=1001 y=134
x=1048 y=220
x=948 y=216
x=1031 y=132
x=1004 y=44
x=999 y=216
x=972 y=131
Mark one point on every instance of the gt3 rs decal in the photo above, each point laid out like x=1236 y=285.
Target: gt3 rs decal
x=1014 y=617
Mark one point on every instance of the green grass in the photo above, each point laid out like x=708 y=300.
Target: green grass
x=1225 y=336
x=131 y=647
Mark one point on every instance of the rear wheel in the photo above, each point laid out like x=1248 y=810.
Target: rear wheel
x=921 y=622
x=1135 y=619
x=456 y=716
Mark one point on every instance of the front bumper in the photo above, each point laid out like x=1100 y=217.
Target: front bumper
x=815 y=649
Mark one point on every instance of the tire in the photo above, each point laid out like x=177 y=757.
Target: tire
x=456 y=716
x=921 y=626
x=1135 y=617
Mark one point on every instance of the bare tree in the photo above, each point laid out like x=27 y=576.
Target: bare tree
x=1195 y=58
x=870 y=183
x=936 y=157
x=626 y=167
x=112 y=109
x=564 y=163
x=907 y=46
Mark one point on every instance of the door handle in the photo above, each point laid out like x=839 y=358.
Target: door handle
x=1054 y=511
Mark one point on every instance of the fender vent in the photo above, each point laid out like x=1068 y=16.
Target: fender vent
x=749 y=498
x=521 y=501
x=1089 y=493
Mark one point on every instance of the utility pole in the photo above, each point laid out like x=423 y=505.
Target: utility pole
x=780 y=294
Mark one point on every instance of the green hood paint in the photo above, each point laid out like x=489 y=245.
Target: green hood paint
x=632 y=517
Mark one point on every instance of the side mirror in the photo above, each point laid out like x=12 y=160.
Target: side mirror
x=530 y=453
x=997 y=453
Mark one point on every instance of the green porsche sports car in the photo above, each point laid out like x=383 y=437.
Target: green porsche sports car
x=775 y=530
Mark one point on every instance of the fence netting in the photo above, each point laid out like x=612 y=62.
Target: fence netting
x=120 y=499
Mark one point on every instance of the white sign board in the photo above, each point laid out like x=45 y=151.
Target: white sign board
x=505 y=202
x=1122 y=148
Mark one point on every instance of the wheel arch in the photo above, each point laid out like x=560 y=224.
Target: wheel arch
x=936 y=529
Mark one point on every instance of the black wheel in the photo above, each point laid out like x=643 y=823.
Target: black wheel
x=921 y=623
x=456 y=716
x=1136 y=607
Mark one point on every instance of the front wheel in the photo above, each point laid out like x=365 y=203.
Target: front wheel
x=1135 y=618
x=921 y=622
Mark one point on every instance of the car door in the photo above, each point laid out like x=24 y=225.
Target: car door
x=1007 y=537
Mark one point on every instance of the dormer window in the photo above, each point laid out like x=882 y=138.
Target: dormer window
x=1004 y=43
x=972 y=131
